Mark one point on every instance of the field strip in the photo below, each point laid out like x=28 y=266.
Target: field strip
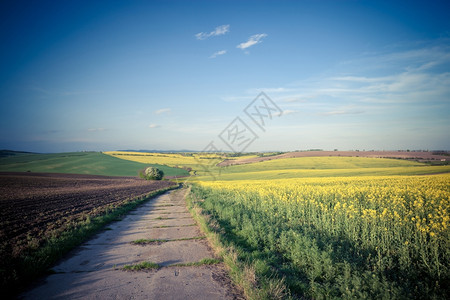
x=172 y=261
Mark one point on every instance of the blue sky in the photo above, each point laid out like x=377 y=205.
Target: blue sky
x=107 y=75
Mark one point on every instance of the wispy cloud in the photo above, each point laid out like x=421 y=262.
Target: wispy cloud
x=286 y=112
x=221 y=52
x=95 y=129
x=162 y=111
x=154 y=126
x=220 y=30
x=414 y=83
x=253 y=40
x=342 y=112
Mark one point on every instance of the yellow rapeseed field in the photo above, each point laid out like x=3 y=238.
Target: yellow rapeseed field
x=388 y=232
x=421 y=203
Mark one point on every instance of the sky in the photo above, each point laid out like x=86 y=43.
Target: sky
x=224 y=75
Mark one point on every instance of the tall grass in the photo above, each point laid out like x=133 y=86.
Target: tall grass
x=242 y=271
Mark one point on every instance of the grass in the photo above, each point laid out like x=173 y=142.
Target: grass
x=36 y=262
x=94 y=163
x=158 y=241
x=148 y=241
x=162 y=218
x=171 y=226
x=146 y=265
x=203 y=262
x=242 y=272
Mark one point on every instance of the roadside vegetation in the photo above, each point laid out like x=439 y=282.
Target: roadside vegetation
x=241 y=271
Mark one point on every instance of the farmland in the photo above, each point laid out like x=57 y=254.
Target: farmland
x=38 y=208
x=93 y=163
x=306 y=167
x=336 y=227
x=189 y=161
x=331 y=226
x=319 y=227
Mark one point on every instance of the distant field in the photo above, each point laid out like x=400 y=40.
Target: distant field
x=93 y=163
x=303 y=167
x=415 y=155
x=189 y=161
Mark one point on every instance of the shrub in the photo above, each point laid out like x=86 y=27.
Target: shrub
x=152 y=173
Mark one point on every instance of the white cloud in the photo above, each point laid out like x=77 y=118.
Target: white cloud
x=153 y=126
x=253 y=40
x=162 y=110
x=221 y=52
x=288 y=112
x=285 y=112
x=342 y=112
x=220 y=30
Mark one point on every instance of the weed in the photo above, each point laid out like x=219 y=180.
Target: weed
x=146 y=265
x=204 y=261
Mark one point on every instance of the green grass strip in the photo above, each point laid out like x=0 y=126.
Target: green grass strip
x=172 y=226
x=148 y=241
x=241 y=273
x=146 y=265
x=159 y=241
x=205 y=261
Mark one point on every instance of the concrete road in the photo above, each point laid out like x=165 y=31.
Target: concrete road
x=95 y=269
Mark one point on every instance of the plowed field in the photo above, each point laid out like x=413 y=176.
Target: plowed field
x=35 y=205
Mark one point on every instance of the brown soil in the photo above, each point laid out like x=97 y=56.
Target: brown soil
x=422 y=156
x=34 y=205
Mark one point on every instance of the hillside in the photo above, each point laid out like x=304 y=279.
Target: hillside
x=94 y=163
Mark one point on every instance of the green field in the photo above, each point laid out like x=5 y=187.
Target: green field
x=93 y=163
x=305 y=167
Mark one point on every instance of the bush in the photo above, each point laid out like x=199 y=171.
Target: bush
x=152 y=173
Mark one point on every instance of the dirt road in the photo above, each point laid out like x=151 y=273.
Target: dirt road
x=95 y=269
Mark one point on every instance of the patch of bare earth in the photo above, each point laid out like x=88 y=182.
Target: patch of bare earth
x=161 y=232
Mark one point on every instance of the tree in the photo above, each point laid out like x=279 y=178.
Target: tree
x=152 y=173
